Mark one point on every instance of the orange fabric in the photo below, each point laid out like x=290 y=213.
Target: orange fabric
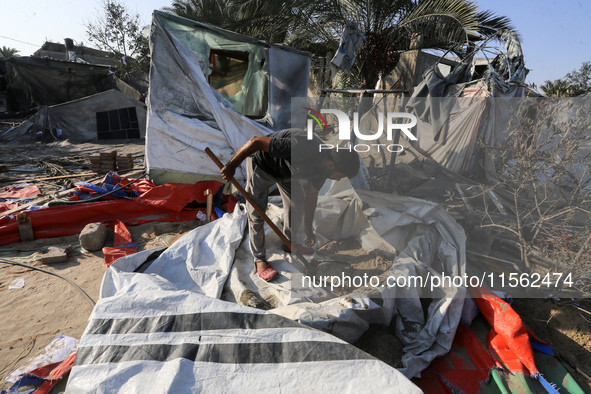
x=511 y=332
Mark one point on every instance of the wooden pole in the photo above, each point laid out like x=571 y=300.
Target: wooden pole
x=248 y=198
x=209 y=195
x=61 y=177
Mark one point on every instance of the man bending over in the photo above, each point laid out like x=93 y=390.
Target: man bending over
x=285 y=158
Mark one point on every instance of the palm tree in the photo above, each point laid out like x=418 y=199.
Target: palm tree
x=559 y=88
x=213 y=12
x=391 y=26
x=6 y=52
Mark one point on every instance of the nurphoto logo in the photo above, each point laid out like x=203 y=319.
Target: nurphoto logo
x=393 y=122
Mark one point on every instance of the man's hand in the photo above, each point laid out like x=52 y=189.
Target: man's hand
x=228 y=172
x=251 y=146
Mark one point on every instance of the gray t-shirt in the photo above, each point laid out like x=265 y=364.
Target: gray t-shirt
x=292 y=155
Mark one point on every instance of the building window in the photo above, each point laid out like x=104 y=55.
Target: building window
x=117 y=124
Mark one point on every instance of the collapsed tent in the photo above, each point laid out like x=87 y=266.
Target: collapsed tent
x=425 y=241
x=106 y=115
x=456 y=114
x=160 y=321
x=38 y=81
x=222 y=82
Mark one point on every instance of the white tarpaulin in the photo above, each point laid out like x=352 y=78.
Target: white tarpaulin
x=159 y=325
x=157 y=332
x=429 y=242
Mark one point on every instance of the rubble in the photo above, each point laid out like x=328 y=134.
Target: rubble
x=56 y=254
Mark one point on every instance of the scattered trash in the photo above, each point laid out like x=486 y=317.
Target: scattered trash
x=57 y=350
x=18 y=283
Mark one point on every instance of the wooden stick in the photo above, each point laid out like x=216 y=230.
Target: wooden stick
x=60 y=177
x=209 y=195
x=248 y=198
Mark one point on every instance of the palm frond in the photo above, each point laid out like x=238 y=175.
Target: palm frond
x=489 y=23
x=442 y=20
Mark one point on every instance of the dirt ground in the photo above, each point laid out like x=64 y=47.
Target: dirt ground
x=566 y=326
x=48 y=306
x=349 y=258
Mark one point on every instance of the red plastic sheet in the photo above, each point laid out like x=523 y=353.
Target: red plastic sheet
x=176 y=196
x=15 y=192
x=466 y=365
x=53 y=373
x=69 y=220
x=122 y=244
x=510 y=340
x=504 y=355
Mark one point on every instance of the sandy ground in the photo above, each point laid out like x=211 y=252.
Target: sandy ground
x=48 y=306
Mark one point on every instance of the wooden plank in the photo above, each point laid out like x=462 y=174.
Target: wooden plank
x=61 y=177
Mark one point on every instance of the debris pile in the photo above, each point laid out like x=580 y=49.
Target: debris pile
x=492 y=188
